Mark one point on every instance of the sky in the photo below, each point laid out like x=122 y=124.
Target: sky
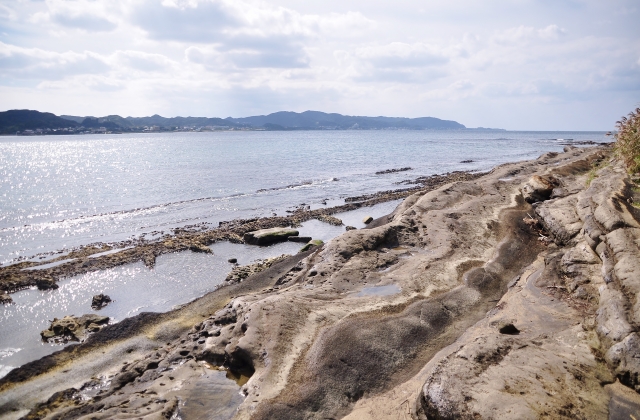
x=514 y=64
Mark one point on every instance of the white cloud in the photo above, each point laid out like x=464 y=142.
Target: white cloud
x=34 y=63
x=85 y=15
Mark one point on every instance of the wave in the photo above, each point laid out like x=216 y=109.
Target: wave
x=298 y=185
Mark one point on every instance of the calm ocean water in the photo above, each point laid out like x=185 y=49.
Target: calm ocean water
x=60 y=192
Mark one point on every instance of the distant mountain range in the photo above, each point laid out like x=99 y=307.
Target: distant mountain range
x=320 y=120
x=20 y=120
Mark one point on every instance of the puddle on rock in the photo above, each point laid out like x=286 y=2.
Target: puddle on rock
x=111 y=251
x=388 y=290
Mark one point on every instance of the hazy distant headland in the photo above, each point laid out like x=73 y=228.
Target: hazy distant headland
x=29 y=122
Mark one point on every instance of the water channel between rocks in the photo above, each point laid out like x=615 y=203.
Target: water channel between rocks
x=176 y=279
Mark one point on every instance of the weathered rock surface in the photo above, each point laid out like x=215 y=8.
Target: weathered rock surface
x=487 y=318
x=72 y=328
x=539 y=188
x=241 y=272
x=269 y=236
x=100 y=301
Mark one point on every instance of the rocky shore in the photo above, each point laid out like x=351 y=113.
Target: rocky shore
x=511 y=295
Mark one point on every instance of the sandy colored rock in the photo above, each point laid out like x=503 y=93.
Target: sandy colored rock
x=269 y=236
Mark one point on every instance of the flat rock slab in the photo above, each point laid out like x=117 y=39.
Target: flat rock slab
x=269 y=236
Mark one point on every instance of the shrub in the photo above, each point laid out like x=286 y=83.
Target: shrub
x=628 y=141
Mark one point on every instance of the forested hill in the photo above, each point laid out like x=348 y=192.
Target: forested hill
x=19 y=120
x=319 y=120
x=23 y=119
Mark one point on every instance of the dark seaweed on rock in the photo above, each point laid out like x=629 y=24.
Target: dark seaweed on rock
x=391 y=171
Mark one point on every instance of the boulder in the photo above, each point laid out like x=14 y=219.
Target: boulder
x=367 y=219
x=72 y=328
x=100 y=301
x=350 y=228
x=269 y=236
x=232 y=260
x=539 y=188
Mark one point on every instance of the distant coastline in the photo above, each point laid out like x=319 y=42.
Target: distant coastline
x=35 y=123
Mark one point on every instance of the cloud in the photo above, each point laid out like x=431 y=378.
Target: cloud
x=251 y=35
x=527 y=34
x=398 y=54
x=7 y=12
x=84 y=15
x=143 y=61
x=34 y=63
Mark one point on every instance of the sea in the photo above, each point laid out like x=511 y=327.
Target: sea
x=61 y=192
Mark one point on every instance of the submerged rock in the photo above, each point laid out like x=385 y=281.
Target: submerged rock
x=72 y=328
x=100 y=301
x=269 y=236
x=330 y=219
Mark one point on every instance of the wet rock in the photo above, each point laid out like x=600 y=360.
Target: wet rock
x=350 y=228
x=367 y=219
x=311 y=244
x=100 y=301
x=72 y=328
x=330 y=220
x=269 y=236
x=391 y=171
x=5 y=299
x=299 y=238
x=241 y=272
x=198 y=247
x=539 y=188
x=232 y=260
x=46 y=284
